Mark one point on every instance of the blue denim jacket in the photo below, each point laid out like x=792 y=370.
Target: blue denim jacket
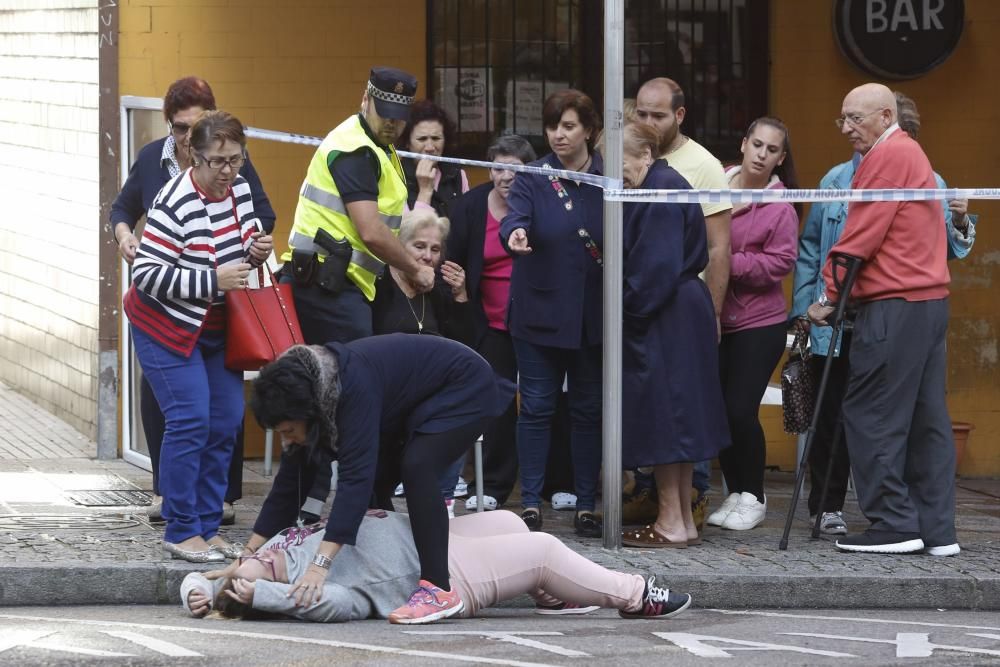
x=822 y=230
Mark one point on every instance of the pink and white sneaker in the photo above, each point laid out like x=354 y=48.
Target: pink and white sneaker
x=427 y=604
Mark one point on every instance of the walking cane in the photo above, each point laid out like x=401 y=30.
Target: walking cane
x=850 y=265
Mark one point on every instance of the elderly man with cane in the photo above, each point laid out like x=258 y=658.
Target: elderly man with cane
x=895 y=416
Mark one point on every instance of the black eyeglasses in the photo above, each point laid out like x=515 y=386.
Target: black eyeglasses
x=854 y=119
x=234 y=162
x=179 y=129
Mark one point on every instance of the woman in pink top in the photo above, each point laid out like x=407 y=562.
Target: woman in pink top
x=764 y=246
x=474 y=243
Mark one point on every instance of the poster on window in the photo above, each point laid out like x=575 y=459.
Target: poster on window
x=524 y=105
x=464 y=95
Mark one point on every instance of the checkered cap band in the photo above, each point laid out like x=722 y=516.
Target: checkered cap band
x=395 y=98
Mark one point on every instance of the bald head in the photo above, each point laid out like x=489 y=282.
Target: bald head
x=867 y=112
x=873 y=96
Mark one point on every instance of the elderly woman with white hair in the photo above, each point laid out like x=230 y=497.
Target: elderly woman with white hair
x=399 y=307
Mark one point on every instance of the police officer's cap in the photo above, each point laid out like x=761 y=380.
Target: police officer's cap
x=392 y=90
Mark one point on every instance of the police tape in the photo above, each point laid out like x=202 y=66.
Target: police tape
x=580 y=177
x=770 y=196
x=614 y=192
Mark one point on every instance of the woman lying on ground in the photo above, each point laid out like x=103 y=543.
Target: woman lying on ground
x=413 y=403
x=491 y=557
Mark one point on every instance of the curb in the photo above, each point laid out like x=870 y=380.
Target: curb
x=159 y=583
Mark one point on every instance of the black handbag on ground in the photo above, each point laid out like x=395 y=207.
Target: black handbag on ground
x=798 y=386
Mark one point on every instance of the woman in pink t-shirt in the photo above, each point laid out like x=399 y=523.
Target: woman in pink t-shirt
x=474 y=243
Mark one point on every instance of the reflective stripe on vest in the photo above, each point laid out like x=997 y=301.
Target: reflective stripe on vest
x=362 y=259
x=336 y=204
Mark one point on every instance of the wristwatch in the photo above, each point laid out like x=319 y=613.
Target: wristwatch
x=319 y=560
x=825 y=302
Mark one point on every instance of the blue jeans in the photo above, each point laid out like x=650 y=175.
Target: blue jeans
x=202 y=403
x=541 y=371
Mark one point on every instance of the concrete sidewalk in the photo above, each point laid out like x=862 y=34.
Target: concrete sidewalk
x=56 y=551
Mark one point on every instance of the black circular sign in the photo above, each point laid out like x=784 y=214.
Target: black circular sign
x=898 y=39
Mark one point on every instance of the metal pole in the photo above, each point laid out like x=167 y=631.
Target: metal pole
x=614 y=94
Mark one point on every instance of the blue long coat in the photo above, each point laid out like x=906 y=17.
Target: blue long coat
x=672 y=406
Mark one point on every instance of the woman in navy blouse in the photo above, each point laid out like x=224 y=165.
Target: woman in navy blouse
x=554 y=230
x=353 y=402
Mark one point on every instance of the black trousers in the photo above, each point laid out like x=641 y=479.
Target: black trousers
x=425 y=457
x=746 y=360
x=896 y=417
x=819 y=452
x=499 y=440
x=153 y=426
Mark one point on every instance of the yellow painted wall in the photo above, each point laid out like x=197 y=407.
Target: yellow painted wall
x=295 y=66
x=960 y=133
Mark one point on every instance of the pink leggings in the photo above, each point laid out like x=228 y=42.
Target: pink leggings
x=492 y=556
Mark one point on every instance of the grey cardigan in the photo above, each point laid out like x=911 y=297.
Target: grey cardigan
x=366 y=580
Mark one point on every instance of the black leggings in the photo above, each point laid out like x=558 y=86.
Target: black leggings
x=425 y=457
x=746 y=360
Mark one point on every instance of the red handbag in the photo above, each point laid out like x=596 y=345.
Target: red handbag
x=261 y=323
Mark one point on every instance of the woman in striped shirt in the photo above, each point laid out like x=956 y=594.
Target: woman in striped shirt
x=201 y=240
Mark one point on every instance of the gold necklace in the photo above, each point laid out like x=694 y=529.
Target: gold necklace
x=423 y=311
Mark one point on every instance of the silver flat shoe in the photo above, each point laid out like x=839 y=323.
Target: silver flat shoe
x=207 y=556
x=231 y=551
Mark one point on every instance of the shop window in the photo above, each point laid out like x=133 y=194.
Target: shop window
x=493 y=62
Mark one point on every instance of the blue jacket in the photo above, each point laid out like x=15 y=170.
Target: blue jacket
x=556 y=290
x=822 y=230
x=147 y=177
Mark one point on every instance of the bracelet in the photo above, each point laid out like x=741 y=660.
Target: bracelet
x=319 y=560
x=825 y=302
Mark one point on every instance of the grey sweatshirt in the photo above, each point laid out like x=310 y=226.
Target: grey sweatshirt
x=367 y=580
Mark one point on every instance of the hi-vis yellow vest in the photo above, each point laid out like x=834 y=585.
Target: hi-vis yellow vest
x=320 y=205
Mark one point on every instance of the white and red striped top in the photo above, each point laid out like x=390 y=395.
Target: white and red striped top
x=188 y=234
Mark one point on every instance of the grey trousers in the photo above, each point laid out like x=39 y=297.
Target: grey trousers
x=896 y=420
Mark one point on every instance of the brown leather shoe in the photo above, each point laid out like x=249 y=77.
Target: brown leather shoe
x=640 y=508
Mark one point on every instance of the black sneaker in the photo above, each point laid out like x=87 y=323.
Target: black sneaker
x=532 y=518
x=658 y=603
x=587 y=524
x=882 y=542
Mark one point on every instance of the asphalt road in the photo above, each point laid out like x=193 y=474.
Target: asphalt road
x=158 y=635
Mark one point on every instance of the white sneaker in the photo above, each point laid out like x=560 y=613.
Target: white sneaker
x=728 y=505
x=944 y=550
x=450 y=504
x=564 y=501
x=489 y=503
x=461 y=487
x=747 y=513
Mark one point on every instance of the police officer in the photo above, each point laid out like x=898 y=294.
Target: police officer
x=348 y=215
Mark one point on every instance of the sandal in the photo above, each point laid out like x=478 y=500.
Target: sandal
x=649 y=536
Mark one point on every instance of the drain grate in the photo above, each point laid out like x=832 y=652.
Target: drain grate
x=36 y=522
x=110 y=498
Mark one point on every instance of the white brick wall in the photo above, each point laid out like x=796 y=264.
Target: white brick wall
x=49 y=193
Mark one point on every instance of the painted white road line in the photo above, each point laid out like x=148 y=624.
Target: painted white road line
x=908 y=644
x=371 y=648
x=696 y=645
x=50 y=645
x=512 y=637
x=850 y=619
x=14 y=638
x=158 y=645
